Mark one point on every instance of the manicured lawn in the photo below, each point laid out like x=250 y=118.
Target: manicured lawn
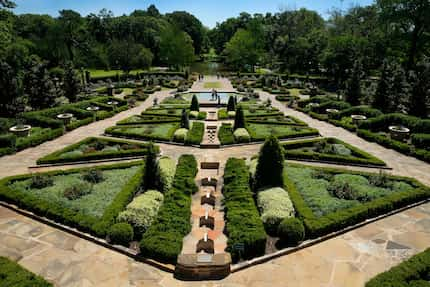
x=156 y=131
x=92 y=204
x=12 y=274
x=95 y=149
x=263 y=131
x=111 y=73
x=212 y=85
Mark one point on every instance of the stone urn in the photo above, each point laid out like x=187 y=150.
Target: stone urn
x=313 y=105
x=21 y=130
x=399 y=133
x=112 y=103
x=93 y=109
x=66 y=118
x=357 y=119
x=331 y=111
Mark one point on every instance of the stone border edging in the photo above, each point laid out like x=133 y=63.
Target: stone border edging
x=263 y=259
x=120 y=249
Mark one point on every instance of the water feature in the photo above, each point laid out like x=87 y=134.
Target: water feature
x=208 y=97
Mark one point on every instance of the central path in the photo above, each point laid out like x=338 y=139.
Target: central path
x=347 y=260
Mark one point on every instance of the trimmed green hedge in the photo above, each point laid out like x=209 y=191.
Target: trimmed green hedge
x=358 y=156
x=406 y=274
x=243 y=222
x=13 y=275
x=121 y=131
x=416 y=125
x=225 y=134
x=195 y=134
x=163 y=239
x=319 y=226
x=55 y=157
x=359 y=110
x=69 y=217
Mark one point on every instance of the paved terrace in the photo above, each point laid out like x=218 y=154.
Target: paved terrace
x=347 y=260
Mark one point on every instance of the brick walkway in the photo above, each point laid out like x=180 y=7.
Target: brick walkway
x=347 y=260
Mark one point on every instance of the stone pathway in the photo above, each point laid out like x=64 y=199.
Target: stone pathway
x=224 y=82
x=347 y=260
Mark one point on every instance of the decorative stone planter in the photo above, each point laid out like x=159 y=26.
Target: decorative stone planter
x=93 y=109
x=21 y=130
x=358 y=118
x=399 y=133
x=313 y=105
x=331 y=111
x=112 y=103
x=66 y=118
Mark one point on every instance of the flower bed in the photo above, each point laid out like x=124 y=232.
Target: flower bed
x=95 y=149
x=330 y=149
x=87 y=203
x=225 y=134
x=12 y=274
x=243 y=223
x=328 y=200
x=195 y=134
x=163 y=240
x=411 y=273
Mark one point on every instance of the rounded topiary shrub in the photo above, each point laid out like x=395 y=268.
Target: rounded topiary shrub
x=291 y=231
x=231 y=114
x=121 y=233
x=194 y=114
x=180 y=135
x=241 y=136
x=93 y=176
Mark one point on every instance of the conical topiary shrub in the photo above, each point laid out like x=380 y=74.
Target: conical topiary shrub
x=195 y=104
x=270 y=166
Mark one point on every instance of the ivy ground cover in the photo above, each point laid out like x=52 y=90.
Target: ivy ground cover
x=328 y=200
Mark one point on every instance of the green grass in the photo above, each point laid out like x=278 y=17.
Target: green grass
x=111 y=73
x=294 y=92
x=212 y=85
x=263 y=131
x=13 y=275
x=92 y=204
x=156 y=131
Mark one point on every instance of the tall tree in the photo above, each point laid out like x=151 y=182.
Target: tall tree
x=409 y=17
x=7 y=4
x=11 y=100
x=353 y=85
x=71 y=83
x=243 y=51
x=38 y=86
x=420 y=94
x=191 y=25
x=176 y=47
x=71 y=26
x=270 y=166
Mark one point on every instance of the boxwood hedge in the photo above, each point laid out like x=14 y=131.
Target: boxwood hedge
x=319 y=226
x=55 y=157
x=243 y=222
x=69 y=217
x=291 y=150
x=413 y=272
x=195 y=134
x=163 y=240
x=11 y=274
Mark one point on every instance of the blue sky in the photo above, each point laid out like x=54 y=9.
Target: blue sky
x=209 y=12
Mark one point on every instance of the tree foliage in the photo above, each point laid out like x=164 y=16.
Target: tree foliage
x=71 y=83
x=239 y=119
x=270 y=166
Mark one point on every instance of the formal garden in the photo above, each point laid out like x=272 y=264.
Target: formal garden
x=270 y=148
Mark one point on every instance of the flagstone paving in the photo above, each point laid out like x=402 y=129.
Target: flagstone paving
x=347 y=260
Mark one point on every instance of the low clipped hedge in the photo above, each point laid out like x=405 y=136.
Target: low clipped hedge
x=163 y=240
x=416 y=125
x=75 y=219
x=358 y=110
x=120 y=131
x=413 y=272
x=195 y=134
x=243 y=223
x=319 y=226
x=404 y=148
x=225 y=134
x=55 y=157
x=13 y=275
x=357 y=157
x=421 y=141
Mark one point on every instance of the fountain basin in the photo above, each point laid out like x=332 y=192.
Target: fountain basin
x=358 y=118
x=66 y=118
x=399 y=133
